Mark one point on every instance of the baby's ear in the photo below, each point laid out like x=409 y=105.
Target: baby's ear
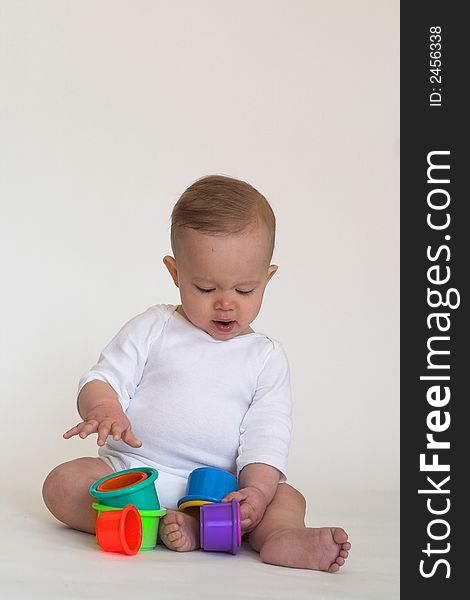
x=170 y=264
x=271 y=270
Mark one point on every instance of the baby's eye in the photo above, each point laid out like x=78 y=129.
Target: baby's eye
x=245 y=293
x=204 y=290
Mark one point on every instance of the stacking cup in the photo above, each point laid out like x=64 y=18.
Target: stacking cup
x=150 y=523
x=220 y=528
x=208 y=484
x=191 y=505
x=120 y=530
x=131 y=486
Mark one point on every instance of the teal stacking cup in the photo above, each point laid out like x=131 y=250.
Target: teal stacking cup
x=131 y=486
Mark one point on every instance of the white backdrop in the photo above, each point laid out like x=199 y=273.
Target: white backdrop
x=108 y=111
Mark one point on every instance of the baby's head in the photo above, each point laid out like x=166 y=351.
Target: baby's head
x=222 y=236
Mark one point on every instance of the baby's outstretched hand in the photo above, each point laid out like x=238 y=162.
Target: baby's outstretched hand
x=252 y=506
x=105 y=422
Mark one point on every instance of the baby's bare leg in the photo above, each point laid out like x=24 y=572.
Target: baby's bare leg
x=282 y=539
x=65 y=491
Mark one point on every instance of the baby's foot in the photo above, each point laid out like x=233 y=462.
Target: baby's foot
x=180 y=532
x=320 y=549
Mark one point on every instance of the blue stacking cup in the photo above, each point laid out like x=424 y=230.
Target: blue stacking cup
x=209 y=484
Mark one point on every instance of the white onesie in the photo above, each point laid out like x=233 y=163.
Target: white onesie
x=195 y=401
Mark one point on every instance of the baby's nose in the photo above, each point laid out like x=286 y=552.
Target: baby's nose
x=224 y=303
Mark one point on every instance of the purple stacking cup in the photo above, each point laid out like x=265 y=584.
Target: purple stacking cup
x=220 y=527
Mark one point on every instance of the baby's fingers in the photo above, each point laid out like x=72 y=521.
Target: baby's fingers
x=72 y=431
x=119 y=432
x=116 y=431
x=240 y=496
x=103 y=432
x=246 y=514
x=88 y=427
x=130 y=439
x=249 y=519
x=82 y=429
x=246 y=525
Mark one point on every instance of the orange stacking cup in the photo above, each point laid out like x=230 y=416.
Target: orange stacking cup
x=118 y=482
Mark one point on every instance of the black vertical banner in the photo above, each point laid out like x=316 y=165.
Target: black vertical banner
x=435 y=268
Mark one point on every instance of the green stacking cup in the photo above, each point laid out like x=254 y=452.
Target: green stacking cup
x=150 y=523
x=131 y=486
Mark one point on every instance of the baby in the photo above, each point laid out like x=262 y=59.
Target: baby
x=180 y=387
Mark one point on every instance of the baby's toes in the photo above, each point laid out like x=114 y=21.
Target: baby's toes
x=340 y=537
x=333 y=568
x=174 y=536
x=344 y=553
x=172 y=516
x=340 y=561
x=171 y=528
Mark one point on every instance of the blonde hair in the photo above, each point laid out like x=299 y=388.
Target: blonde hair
x=221 y=205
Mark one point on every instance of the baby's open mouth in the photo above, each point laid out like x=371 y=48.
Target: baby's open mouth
x=224 y=325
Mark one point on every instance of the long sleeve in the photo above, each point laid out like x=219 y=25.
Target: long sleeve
x=121 y=363
x=266 y=427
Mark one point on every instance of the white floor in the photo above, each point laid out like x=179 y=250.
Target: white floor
x=39 y=558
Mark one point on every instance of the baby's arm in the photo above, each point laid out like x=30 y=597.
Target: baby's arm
x=102 y=413
x=257 y=485
x=107 y=389
x=264 y=440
